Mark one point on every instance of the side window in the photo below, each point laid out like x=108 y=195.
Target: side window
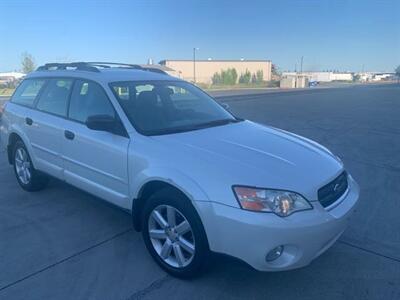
x=27 y=92
x=54 y=98
x=89 y=99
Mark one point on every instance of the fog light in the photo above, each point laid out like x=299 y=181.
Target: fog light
x=274 y=254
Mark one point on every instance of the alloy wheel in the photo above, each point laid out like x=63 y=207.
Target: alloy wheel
x=23 y=166
x=171 y=236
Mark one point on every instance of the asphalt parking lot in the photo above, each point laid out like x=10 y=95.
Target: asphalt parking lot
x=62 y=243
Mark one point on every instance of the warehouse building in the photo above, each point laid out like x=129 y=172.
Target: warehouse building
x=202 y=71
x=323 y=76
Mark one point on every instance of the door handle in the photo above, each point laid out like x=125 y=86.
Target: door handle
x=69 y=135
x=28 y=121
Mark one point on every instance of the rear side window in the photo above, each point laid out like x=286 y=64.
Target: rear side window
x=89 y=99
x=28 y=91
x=54 y=98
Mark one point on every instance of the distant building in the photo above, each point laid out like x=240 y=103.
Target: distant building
x=323 y=76
x=365 y=76
x=319 y=76
x=375 y=76
x=7 y=77
x=383 y=76
x=293 y=82
x=204 y=70
x=342 y=77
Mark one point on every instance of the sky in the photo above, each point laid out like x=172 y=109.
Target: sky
x=331 y=35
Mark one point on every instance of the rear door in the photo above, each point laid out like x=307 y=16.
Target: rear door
x=46 y=125
x=95 y=161
x=19 y=110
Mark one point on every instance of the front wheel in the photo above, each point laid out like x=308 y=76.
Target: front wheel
x=28 y=178
x=174 y=235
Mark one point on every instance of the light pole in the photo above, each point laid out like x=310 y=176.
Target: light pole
x=194 y=64
x=301 y=65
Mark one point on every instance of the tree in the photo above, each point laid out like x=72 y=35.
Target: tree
x=356 y=77
x=28 y=63
x=254 y=79
x=397 y=70
x=229 y=76
x=274 y=70
x=226 y=77
x=245 y=78
x=216 y=79
x=234 y=75
x=260 y=76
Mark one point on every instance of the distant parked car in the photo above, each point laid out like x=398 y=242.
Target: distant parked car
x=195 y=177
x=312 y=83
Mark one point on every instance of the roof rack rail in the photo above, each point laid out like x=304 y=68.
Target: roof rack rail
x=94 y=67
x=81 y=66
x=155 y=70
x=124 y=65
x=107 y=65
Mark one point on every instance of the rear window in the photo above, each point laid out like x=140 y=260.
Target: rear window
x=54 y=98
x=27 y=91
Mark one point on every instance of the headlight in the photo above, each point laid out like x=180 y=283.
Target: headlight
x=281 y=203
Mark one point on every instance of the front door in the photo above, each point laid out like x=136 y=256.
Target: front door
x=95 y=161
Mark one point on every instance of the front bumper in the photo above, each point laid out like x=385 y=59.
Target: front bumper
x=249 y=236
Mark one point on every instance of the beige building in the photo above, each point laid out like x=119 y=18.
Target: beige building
x=293 y=82
x=202 y=71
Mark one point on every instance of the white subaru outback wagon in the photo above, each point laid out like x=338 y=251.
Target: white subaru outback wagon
x=195 y=178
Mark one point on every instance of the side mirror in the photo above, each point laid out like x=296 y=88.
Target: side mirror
x=101 y=123
x=225 y=105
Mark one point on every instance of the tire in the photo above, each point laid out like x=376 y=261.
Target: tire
x=190 y=264
x=28 y=178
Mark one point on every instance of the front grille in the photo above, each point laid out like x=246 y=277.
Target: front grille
x=331 y=192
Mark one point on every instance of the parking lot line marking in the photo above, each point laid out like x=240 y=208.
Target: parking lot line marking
x=67 y=258
x=369 y=251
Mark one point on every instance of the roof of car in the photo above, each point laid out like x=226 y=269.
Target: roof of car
x=106 y=75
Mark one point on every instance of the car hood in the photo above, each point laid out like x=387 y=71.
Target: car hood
x=247 y=153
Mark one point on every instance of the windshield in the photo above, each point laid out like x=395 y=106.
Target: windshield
x=162 y=107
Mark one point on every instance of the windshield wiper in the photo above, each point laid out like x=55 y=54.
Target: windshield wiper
x=214 y=123
x=195 y=126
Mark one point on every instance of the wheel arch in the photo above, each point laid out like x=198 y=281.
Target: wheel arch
x=151 y=186
x=12 y=139
x=16 y=133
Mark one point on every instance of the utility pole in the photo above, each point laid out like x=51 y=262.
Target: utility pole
x=301 y=65
x=194 y=64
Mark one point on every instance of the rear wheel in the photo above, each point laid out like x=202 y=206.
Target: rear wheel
x=28 y=178
x=174 y=234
